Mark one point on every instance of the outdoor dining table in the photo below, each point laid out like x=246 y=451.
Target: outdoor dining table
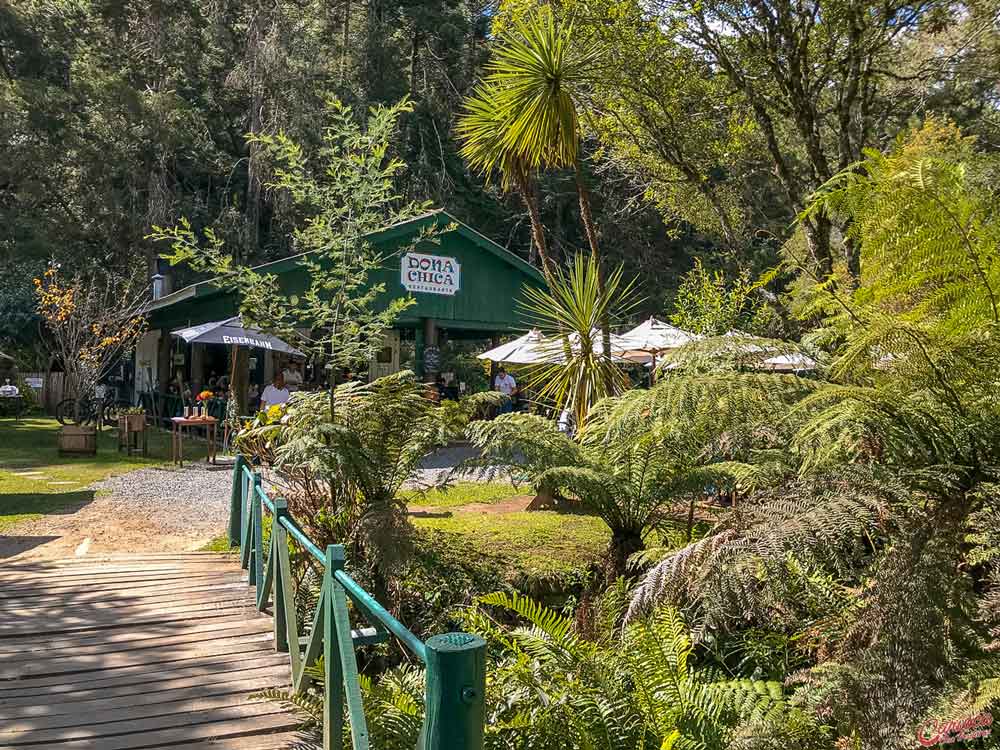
x=177 y=425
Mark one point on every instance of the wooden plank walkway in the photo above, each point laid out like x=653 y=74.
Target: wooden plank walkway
x=137 y=651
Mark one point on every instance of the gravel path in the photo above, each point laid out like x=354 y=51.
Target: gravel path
x=439 y=463
x=176 y=501
x=159 y=510
x=147 y=510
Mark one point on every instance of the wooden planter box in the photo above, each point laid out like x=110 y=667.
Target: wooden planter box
x=131 y=422
x=77 y=441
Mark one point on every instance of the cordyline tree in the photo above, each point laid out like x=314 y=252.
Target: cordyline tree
x=524 y=118
x=92 y=318
x=346 y=192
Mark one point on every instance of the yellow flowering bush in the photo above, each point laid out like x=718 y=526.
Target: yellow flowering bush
x=91 y=318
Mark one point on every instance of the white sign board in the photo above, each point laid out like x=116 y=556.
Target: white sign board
x=35 y=383
x=431 y=274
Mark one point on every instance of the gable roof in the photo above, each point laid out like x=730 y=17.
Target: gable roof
x=438 y=217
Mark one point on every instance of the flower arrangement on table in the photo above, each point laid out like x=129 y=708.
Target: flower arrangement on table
x=201 y=409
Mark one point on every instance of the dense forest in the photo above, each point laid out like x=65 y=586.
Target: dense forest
x=789 y=559
x=700 y=138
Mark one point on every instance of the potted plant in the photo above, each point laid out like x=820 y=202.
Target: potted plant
x=132 y=419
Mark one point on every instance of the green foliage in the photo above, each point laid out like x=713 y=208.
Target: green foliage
x=858 y=491
x=628 y=465
x=707 y=303
x=570 y=313
x=344 y=470
x=19 y=319
x=929 y=235
x=532 y=87
x=641 y=688
x=350 y=195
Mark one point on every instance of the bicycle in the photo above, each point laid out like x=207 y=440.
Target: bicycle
x=94 y=410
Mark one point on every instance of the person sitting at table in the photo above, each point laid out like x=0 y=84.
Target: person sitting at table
x=276 y=393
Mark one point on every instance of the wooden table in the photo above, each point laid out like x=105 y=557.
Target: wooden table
x=177 y=425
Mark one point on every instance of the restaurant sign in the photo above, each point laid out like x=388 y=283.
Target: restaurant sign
x=431 y=274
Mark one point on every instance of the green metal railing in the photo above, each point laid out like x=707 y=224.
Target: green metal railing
x=454 y=708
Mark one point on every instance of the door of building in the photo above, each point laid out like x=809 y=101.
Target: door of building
x=386 y=360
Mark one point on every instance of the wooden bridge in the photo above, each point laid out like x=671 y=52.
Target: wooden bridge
x=146 y=651
x=164 y=651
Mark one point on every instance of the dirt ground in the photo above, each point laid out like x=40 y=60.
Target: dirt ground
x=149 y=510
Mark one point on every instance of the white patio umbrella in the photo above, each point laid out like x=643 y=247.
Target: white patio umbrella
x=650 y=339
x=524 y=350
x=618 y=345
x=653 y=336
x=534 y=348
x=788 y=363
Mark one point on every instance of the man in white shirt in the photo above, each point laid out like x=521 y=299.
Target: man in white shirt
x=506 y=385
x=275 y=393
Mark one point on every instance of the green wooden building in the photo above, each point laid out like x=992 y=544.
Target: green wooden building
x=465 y=287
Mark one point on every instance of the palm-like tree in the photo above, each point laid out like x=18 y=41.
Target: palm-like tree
x=525 y=117
x=573 y=307
x=482 y=130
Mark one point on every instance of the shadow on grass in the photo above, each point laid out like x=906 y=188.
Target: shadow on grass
x=48 y=503
x=430 y=514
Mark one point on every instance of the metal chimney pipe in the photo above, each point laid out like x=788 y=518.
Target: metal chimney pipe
x=157 y=279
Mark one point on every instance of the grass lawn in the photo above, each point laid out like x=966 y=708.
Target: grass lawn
x=528 y=546
x=35 y=480
x=464 y=493
x=533 y=546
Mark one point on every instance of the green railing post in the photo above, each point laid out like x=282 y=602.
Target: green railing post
x=236 y=503
x=256 y=571
x=454 y=694
x=281 y=577
x=333 y=677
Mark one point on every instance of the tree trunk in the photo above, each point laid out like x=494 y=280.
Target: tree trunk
x=345 y=41
x=255 y=124
x=624 y=543
x=414 y=60
x=240 y=379
x=591 y=231
x=530 y=199
x=690 y=518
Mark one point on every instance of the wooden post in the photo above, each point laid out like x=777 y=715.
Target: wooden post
x=454 y=697
x=279 y=543
x=236 y=503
